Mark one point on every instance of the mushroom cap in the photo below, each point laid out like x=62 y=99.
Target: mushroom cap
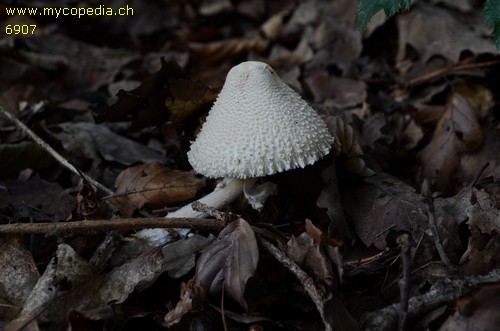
x=258 y=126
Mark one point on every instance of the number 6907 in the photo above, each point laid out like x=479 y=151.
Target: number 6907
x=20 y=29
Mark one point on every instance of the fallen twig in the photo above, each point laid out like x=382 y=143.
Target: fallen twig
x=443 y=293
x=306 y=281
x=427 y=195
x=449 y=70
x=405 y=244
x=55 y=229
x=52 y=151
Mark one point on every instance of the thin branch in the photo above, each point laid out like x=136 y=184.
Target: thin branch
x=56 y=229
x=306 y=281
x=52 y=151
x=427 y=196
x=441 y=294
x=405 y=243
x=450 y=69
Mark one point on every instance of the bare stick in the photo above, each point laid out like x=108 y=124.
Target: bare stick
x=305 y=280
x=55 y=229
x=52 y=151
x=405 y=243
x=443 y=293
x=427 y=195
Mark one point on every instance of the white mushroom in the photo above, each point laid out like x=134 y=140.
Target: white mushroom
x=258 y=126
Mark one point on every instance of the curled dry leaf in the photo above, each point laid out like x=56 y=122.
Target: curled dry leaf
x=229 y=262
x=309 y=254
x=385 y=203
x=71 y=283
x=484 y=214
x=457 y=131
x=216 y=51
x=482 y=254
x=347 y=144
x=476 y=313
x=168 y=94
x=17 y=157
x=188 y=299
x=36 y=199
x=18 y=276
x=96 y=142
x=154 y=185
x=486 y=156
x=180 y=255
x=426 y=23
x=64 y=272
x=330 y=199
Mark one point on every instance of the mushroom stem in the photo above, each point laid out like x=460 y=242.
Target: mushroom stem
x=226 y=192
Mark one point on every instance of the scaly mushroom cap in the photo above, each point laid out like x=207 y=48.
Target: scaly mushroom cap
x=258 y=126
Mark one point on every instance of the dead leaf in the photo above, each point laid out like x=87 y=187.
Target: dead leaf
x=216 y=51
x=457 y=131
x=167 y=94
x=484 y=213
x=310 y=256
x=486 y=156
x=97 y=142
x=64 y=271
x=180 y=255
x=340 y=93
x=18 y=276
x=435 y=31
x=346 y=143
x=36 y=198
x=337 y=40
x=384 y=203
x=477 y=313
x=329 y=198
x=79 y=66
x=229 y=262
x=71 y=283
x=482 y=254
x=17 y=157
x=155 y=186
x=189 y=297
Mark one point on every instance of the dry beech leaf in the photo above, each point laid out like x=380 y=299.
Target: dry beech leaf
x=155 y=186
x=18 y=275
x=97 y=142
x=168 y=94
x=180 y=255
x=186 y=97
x=486 y=156
x=36 y=199
x=308 y=253
x=346 y=143
x=482 y=254
x=340 y=93
x=456 y=132
x=382 y=204
x=330 y=199
x=426 y=23
x=188 y=299
x=324 y=264
x=484 y=213
x=476 y=313
x=220 y=50
x=71 y=283
x=64 y=272
x=229 y=262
